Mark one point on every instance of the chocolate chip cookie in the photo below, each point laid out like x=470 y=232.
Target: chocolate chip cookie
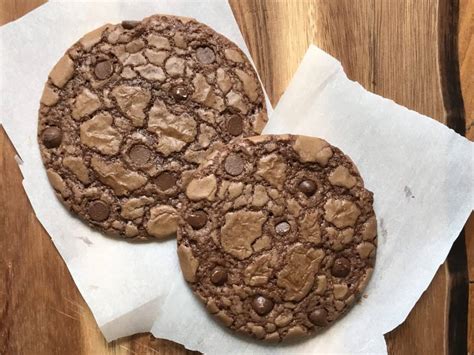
x=131 y=108
x=278 y=235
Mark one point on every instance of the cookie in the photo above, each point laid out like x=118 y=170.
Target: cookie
x=131 y=109
x=277 y=236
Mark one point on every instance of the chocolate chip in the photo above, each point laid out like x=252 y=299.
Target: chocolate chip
x=128 y=25
x=234 y=165
x=180 y=93
x=98 y=211
x=341 y=267
x=165 y=181
x=218 y=276
x=262 y=305
x=52 y=137
x=319 y=317
x=103 y=69
x=197 y=219
x=307 y=187
x=205 y=55
x=235 y=125
x=282 y=228
x=140 y=154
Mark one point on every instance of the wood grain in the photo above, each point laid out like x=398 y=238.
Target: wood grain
x=389 y=46
x=466 y=63
x=12 y=9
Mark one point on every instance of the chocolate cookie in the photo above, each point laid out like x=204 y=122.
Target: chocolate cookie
x=278 y=235
x=130 y=109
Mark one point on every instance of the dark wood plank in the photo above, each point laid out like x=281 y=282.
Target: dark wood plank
x=470 y=337
x=466 y=62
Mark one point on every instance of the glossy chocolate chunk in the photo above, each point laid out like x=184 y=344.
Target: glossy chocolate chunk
x=140 y=154
x=98 y=211
x=103 y=69
x=165 y=181
x=180 y=93
x=197 y=219
x=262 y=305
x=308 y=187
x=234 y=165
x=205 y=55
x=128 y=25
x=235 y=125
x=218 y=276
x=52 y=137
x=282 y=228
x=341 y=267
x=319 y=317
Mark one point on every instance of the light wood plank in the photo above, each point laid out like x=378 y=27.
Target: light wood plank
x=470 y=334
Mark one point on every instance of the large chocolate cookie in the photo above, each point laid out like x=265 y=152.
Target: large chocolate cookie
x=278 y=235
x=131 y=108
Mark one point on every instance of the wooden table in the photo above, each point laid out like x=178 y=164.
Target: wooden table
x=403 y=50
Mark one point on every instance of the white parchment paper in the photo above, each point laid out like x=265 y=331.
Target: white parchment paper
x=420 y=171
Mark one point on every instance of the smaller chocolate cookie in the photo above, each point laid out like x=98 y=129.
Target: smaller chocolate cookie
x=278 y=235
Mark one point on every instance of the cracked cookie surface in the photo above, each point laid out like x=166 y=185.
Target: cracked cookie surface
x=131 y=109
x=278 y=235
